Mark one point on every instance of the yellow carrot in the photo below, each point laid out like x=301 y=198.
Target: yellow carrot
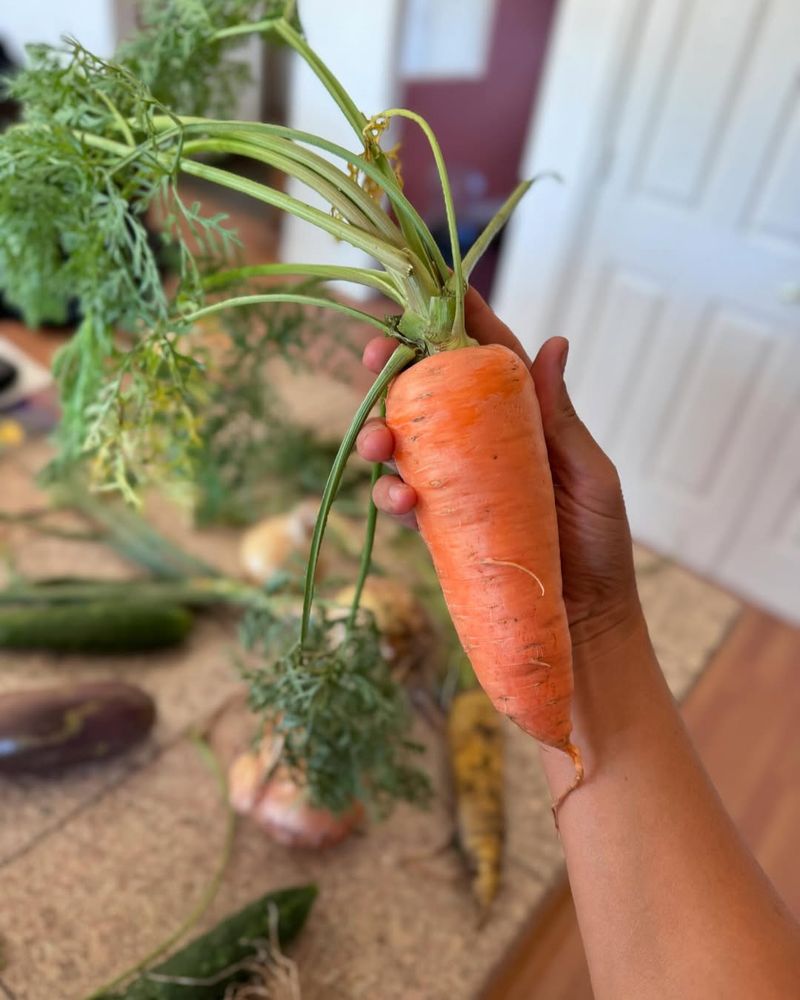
x=475 y=740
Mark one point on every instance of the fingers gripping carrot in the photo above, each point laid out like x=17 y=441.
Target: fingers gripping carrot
x=468 y=438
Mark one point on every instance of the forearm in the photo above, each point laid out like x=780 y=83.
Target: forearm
x=669 y=901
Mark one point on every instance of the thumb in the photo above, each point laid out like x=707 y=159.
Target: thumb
x=577 y=460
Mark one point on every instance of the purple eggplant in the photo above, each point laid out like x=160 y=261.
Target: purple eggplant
x=49 y=729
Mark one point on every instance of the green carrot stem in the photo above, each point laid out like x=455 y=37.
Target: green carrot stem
x=281 y=27
x=416 y=233
x=122 y=124
x=346 y=197
x=196 y=591
x=418 y=236
x=338 y=195
x=303 y=300
x=500 y=218
x=402 y=355
x=339 y=178
x=493 y=227
x=133 y=536
x=423 y=244
x=34 y=519
x=389 y=255
x=447 y=194
x=365 y=565
x=328 y=272
x=355 y=118
x=255 y=133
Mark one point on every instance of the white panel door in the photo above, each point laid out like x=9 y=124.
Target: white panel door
x=677 y=297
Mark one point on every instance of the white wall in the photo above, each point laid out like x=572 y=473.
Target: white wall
x=336 y=31
x=91 y=21
x=99 y=25
x=446 y=39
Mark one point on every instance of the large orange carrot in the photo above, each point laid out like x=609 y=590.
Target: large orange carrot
x=468 y=436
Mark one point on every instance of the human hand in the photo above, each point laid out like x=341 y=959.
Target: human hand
x=596 y=554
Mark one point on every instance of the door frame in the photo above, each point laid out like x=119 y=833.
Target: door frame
x=572 y=131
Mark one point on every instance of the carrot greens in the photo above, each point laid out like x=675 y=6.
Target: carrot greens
x=105 y=145
x=341 y=716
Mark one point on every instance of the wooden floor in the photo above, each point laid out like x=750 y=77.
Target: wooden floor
x=743 y=716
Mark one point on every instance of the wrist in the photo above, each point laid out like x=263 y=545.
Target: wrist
x=618 y=684
x=603 y=635
x=621 y=703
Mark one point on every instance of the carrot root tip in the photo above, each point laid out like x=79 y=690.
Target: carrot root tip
x=575 y=756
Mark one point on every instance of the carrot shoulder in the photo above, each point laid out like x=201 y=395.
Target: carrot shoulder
x=468 y=438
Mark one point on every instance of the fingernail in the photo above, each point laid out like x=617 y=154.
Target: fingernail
x=397 y=492
x=564 y=355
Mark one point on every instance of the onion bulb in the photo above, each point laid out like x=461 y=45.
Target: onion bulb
x=249 y=772
x=281 y=806
x=245 y=781
x=285 y=813
x=400 y=618
x=279 y=544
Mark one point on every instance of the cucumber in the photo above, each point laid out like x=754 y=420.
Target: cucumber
x=208 y=956
x=94 y=627
x=53 y=728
